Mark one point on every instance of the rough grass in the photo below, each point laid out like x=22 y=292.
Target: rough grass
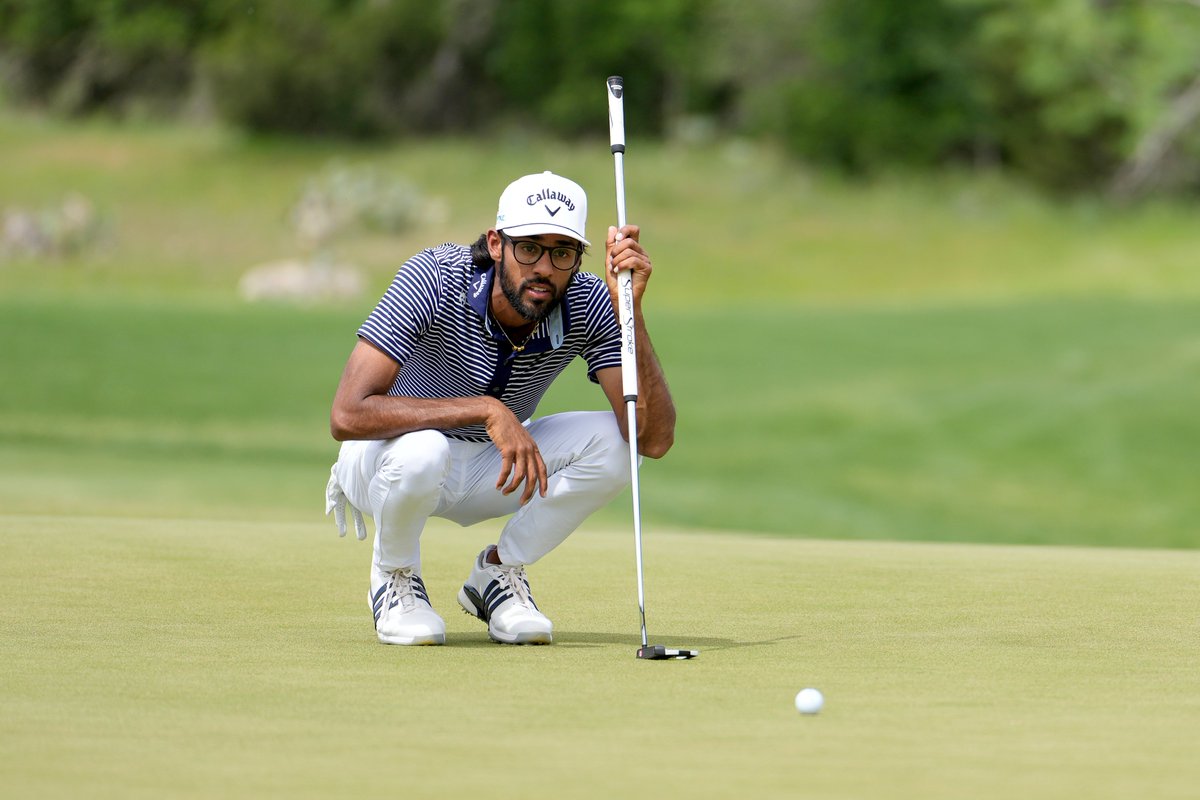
x=729 y=225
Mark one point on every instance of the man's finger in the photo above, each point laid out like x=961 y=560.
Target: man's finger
x=513 y=485
x=529 y=475
x=535 y=478
x=506 y=467
x=542 y=478
x=527 y=495
x=518 y=475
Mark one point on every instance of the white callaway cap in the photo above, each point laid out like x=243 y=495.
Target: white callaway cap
x=545 y=203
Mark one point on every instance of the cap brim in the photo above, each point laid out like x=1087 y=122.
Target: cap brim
x=539 y=228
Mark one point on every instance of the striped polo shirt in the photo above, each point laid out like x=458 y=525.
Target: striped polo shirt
x=434 y=322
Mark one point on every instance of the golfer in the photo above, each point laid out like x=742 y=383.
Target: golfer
x=435 y=408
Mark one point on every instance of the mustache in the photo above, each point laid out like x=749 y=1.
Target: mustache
x=541 y=284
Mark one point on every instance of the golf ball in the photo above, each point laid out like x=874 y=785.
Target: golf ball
x=809 y=701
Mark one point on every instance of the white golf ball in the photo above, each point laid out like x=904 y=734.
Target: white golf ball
x=809 y=701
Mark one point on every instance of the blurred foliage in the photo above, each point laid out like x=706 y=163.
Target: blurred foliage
x=326 y=66
x=1072 y=94
x=885 y=83
x=550 y=58
x=81 y=56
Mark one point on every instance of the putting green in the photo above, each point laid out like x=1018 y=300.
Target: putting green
x=152 y=658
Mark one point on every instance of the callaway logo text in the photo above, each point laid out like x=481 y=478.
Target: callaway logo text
x=547 y=194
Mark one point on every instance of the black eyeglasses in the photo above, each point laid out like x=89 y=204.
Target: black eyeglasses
x=528 y=252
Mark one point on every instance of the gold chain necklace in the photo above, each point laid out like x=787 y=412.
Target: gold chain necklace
x=517 y=348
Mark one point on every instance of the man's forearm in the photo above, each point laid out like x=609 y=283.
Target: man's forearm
x=656 y=408
x=384 y=417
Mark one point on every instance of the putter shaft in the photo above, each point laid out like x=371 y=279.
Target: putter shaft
x=629 y=377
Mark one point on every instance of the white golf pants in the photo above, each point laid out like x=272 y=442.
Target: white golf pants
x=401 y=482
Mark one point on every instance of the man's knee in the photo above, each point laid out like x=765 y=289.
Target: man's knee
x=609 y=450
x=418 y=462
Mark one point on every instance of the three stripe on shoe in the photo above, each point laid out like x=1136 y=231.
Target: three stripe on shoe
x=499 y=595
x=403 y=614
x=497 y=592
x=388 y=590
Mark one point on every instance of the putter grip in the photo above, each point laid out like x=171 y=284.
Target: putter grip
x=616 y=113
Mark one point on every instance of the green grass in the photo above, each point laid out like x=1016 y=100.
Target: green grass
x=729 y=225
x=940 y=358
x=1031 y=422
x=150 y=658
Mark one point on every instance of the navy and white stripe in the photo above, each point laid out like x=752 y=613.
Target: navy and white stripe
x=433 y=321
x=499 y=591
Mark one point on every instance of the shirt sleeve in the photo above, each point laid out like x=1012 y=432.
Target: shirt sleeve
x=603 y=348
x=407 y=309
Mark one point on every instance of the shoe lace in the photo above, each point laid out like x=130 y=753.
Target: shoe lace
x=516 y=580
x=401 y=588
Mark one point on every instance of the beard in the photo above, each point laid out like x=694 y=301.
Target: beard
x=531 y=311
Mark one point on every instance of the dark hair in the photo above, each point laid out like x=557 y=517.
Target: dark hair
x=480 y=256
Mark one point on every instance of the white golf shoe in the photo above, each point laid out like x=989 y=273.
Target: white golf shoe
x=499 y=595
x=402 y=611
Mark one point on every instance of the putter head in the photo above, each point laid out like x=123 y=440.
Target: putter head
x=657 y=652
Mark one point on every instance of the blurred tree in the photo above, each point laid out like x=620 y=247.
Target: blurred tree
x=40 y=40
x=885 y=83
x=1163 y=102
x=314 y=67
x=445 y=91
x=1089 y=93
x=79 y=57
x=1053 y=73
x=548 y=58
x=746 y=55
x=1073 y=94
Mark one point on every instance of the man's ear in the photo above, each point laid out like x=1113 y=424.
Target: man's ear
x=495 y=245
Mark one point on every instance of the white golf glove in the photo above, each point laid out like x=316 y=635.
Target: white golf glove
x=336 y=501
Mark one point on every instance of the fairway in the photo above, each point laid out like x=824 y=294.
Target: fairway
x=1026 y=423
x=194 y=658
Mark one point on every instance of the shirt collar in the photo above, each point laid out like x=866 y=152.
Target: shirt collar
x=479 y=290
x=550 y=332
